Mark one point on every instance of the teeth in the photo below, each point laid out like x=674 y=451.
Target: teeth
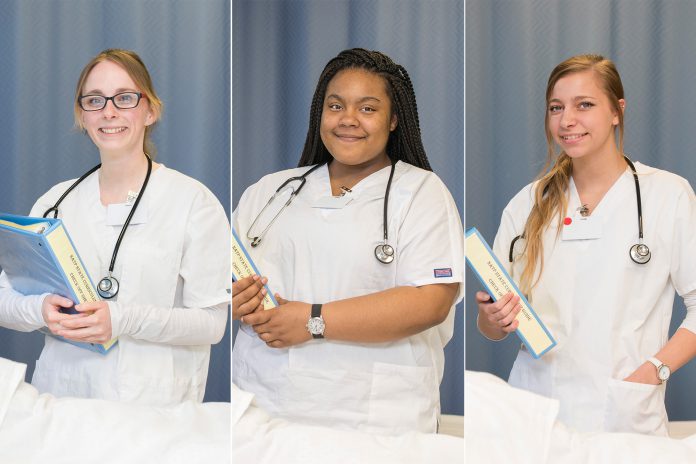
x=572 y=137
x=112 y=130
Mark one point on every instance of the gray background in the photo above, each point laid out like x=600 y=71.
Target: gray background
x=511 y=47
x=279 y=50
x=44 y=45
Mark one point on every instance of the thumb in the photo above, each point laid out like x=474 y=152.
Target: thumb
x=281 y=301
x=61 y=301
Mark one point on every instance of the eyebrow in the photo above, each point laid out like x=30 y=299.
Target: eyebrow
x=580 y=97
x=119 y=90
x=361 y=100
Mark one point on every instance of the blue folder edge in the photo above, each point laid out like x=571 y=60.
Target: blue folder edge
x=473 y=230
x=54 y=223
x=253 y=266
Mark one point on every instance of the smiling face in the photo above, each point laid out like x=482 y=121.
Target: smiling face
x=357 y=118
x=581 y=118
x=114 y=130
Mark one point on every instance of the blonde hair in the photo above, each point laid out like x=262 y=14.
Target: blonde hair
x=550 y=195
x=134 y=66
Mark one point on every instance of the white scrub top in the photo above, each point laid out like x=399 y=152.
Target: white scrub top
x=317 y=254
x=173 y=270
x=607 y=313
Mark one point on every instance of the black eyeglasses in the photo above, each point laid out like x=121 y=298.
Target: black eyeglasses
x=123 y=101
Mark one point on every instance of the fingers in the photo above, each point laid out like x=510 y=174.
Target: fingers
x=58 y=301
x=258 y=317
x=247 y=299
x=483 y=297
x=91 y=306
x=281 y=301
x=92 y=334
x=78 y=322
x=501 y=313
x=243 y=284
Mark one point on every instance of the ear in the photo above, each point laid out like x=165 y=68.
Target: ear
x=393 y=123
x=151 y=117
x=622 y=105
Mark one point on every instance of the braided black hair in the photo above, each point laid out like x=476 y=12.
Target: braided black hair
x=404 y=142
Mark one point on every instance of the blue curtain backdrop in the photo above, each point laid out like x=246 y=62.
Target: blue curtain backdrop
x=511 y=47
x=279 y=50
x=45 y=44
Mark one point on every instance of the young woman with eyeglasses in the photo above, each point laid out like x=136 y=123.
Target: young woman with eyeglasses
x=170 y=266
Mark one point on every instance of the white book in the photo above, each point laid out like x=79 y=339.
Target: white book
x=243 y=266
x=481 y=259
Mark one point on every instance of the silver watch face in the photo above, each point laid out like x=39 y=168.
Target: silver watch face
x=663 y=373
x=316 y=325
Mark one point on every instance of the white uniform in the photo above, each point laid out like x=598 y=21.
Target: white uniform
x=317 y=254
x=172 y=302
x=607 y=313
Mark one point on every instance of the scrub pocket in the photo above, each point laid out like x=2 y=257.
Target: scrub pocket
x=403 y=399
x=635 y=408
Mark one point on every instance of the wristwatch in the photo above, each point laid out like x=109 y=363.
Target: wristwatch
x=663 y=370
x=316 y=324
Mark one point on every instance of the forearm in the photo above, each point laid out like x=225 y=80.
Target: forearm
x=20 y=312
x=679 y=350
x=173 y=326
x=388 y=315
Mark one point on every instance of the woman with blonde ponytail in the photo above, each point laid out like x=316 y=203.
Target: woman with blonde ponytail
x=566 y=239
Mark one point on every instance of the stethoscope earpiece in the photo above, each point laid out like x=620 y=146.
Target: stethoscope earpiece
x=640 y=253
x=384 y=253
x=108 y=287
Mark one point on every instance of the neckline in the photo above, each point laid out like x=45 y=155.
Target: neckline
x=607 y=198
x=363 y=184
x=94 y=191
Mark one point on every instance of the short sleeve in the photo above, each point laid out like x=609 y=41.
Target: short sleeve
x=430 y=248
x=205 y=264
x=683 y=264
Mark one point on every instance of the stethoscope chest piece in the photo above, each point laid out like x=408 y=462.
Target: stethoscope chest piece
x=108 y=287
x=640 y=253
x=384 y=253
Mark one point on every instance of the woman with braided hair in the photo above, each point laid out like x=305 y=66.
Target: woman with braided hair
x=366 y=261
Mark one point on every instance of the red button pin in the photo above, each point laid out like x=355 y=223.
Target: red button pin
x=567 y=221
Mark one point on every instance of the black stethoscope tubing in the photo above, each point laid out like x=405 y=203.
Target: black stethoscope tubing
x=109 y=290
x=383 y=252
x=640 y=252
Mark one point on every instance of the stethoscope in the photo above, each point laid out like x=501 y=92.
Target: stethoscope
x=383 y=252
x=108 y=286
x=639 y=253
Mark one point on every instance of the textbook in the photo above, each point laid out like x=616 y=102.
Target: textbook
x=38 y=257
x=243 y=266
x=481 y=259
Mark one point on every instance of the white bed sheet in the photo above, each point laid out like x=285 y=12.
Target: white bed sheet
x=259 y=439
x=505 y=424
x=42 y=429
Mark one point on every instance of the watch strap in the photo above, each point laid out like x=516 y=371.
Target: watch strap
x=655 y=362
x=316 y=313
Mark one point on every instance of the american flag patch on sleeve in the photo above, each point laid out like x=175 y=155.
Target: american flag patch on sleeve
x=443 y=272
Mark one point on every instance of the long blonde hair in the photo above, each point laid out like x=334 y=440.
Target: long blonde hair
x=550 y=195
x=134 y=66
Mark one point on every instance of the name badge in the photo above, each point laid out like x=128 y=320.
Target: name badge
x=581 y=228
x=117 y=213
x=331 y=202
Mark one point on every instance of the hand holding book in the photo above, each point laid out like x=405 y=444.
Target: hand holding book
x=498 y=315
x=248 y=295
x=91 y=324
